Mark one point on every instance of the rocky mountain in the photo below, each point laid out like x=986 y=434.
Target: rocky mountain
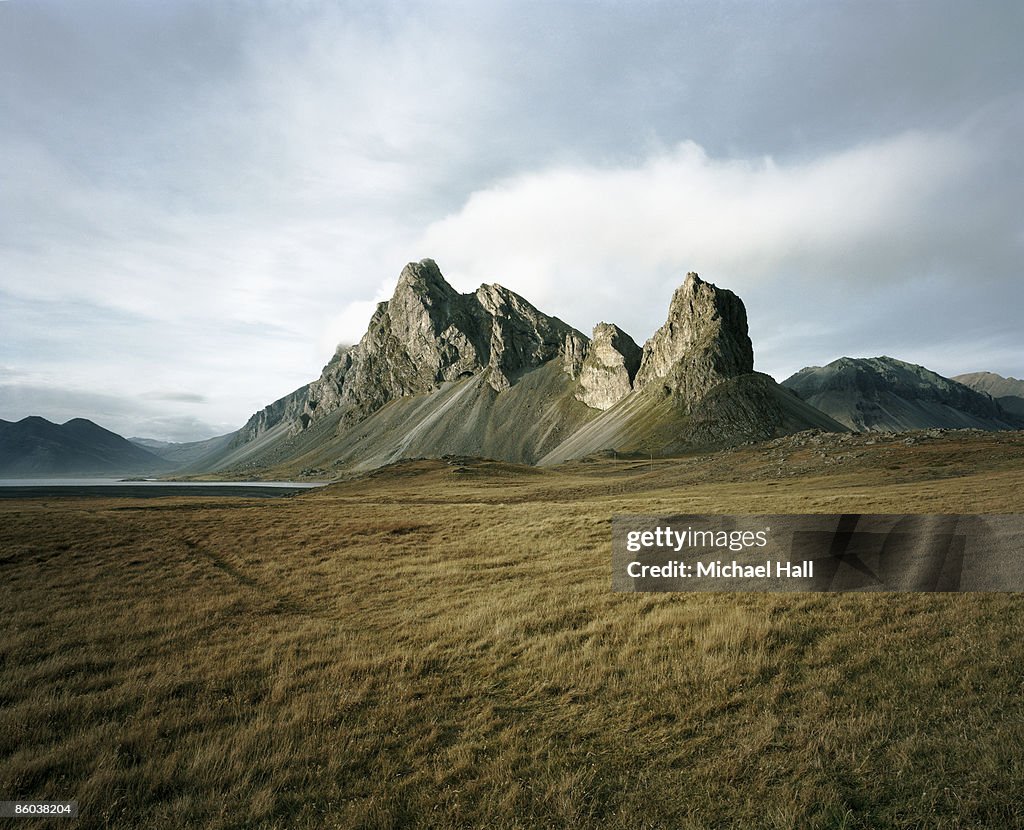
x=703 y=342
x=34 y=447
x=695 y=387
x=1008 y=392
x=883 y=394
x=425 y=336
x=423 y=345
x=487 y=374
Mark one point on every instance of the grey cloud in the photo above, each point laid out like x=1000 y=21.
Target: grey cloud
x=9 y=373
x=182 y=397
x=208 y=196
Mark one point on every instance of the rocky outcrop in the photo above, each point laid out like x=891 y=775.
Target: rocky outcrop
x=607 y=373
x=428 y=334
x=519 y=337
x=325 y=394
x=703 y=342
x=883 y=394
x=284 y=411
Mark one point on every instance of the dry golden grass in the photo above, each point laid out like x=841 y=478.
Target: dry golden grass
x=436 y=645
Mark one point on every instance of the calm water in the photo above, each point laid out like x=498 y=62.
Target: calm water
x=119 y=482
x=27 y=488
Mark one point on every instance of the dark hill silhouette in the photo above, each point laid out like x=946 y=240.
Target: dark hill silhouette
x=34 y=447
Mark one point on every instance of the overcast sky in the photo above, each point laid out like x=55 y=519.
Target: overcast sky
x=199 y=200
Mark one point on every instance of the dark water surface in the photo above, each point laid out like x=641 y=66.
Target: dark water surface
x=29 y=488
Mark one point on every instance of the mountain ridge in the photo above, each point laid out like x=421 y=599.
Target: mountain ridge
x=1007 y=391
x=890 y=395
x=36 y=447
x=486 y=373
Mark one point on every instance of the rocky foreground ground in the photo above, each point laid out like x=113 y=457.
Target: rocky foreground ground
x=928 y=453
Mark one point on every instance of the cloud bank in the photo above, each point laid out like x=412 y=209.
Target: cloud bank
x=800 y=241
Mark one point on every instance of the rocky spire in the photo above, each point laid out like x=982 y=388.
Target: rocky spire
x=703 y=342
x=607 y=373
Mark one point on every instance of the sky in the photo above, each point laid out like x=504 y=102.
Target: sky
x=199 y=201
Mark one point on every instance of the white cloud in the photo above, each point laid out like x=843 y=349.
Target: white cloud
x=575 y=237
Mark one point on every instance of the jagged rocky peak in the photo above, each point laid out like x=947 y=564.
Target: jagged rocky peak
x=428 y=318
x=450 y=335
x=611 y=363
x=424 y=276
x=703 y=342
x=521 y=337
x=426 y=335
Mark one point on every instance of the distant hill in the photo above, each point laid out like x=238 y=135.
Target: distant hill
x=1009 y=392
x=35 y=447
x=884 y=394
x=185 y=453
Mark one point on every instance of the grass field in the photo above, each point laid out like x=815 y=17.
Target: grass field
x=436 y=645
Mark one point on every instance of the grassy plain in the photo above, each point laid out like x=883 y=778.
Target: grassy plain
x=436 y=645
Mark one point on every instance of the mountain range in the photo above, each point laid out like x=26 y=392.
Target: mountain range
x=487 y=374
x=34 y=447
